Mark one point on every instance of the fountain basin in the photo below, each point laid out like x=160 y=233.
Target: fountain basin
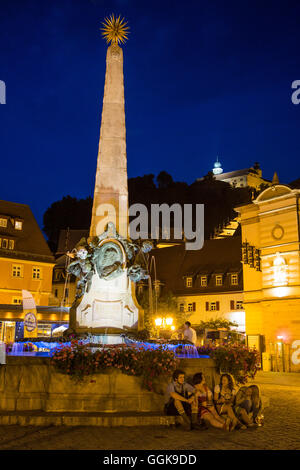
x=32 y=383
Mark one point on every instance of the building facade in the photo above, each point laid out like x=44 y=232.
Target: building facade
x=248 y=177
x=271 y=271
x=207 y=283
x=25 y=263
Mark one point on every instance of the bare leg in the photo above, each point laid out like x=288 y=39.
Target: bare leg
x=244 y=417
x=209 y=418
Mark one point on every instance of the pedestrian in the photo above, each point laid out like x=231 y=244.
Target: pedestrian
x=189 y=333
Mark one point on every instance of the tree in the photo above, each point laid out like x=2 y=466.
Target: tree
x=69 y=212
x=166 y=307
x=164 y=180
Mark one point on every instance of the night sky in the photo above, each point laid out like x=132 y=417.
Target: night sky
x=202 y=78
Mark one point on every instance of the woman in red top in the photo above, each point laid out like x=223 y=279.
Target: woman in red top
x=207 y=411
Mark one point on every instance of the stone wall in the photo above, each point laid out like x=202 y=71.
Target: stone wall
x=31 y=383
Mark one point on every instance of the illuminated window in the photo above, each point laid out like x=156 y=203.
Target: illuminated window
x=18 y=225
x=234 y=279
x=181 y=307
x=11 y=244
x=3 y=222
x=36 y=273
x=17 y=270
x=4 y=243
x=219 y=280
x=280 y=270
x=212 y=306
x=189 y=282
x=203 y=281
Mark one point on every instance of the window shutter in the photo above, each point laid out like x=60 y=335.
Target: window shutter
x=232 y=305
x=194 y=306
x=217 y=305
x=206 y=306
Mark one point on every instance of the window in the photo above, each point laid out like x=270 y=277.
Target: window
x=66 y=293
x=234 y=279
x=18 y=225
x=181 y=307
x=17 y=300
x=203 y=281
x=11 y=244
x=4 y=243
x=189 y=282
x=219 y=280
x=36 y=273
x=3 y=222
x=192 y=307
x=212 y=306
x=17 y=270
x=56 y=293
x=238 y=305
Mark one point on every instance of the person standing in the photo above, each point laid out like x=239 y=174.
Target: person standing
x=189 y=333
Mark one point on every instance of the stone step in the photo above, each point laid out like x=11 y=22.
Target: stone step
x=40 y=418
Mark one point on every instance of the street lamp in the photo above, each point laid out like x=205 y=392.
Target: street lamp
x=164 y=323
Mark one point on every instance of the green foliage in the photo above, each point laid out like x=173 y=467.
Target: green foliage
x=215 y=323
x=69 y=212
x=79 y=361
x=163 y=305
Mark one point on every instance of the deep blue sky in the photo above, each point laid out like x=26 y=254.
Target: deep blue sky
x=201 y=78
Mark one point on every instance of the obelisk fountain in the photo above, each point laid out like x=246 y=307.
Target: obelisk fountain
x=108 y=264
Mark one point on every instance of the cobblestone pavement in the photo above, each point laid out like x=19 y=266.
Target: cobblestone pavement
x=281 y=429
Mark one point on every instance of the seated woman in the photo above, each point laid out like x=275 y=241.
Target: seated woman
x=206 y=408
x=244 y=405
x=224 y=396
x=256 y=402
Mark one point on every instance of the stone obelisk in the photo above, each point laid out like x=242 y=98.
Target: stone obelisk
x=111 y=175
x=106 y=264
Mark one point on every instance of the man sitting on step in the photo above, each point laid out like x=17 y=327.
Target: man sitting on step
x=180 y=401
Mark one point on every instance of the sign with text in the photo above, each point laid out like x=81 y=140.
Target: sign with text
x=30 y=316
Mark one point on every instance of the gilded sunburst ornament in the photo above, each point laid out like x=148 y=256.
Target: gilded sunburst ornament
x=115 y=30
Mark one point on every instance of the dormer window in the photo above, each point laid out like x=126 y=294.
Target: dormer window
x=203 y=281
x=189 y=282
x=219 y=280
x=3 y=222
x=7 y=244
x=18 y=224
x=234 y=279
x=4 y=243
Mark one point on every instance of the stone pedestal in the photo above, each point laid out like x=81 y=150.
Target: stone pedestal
x=108 y=304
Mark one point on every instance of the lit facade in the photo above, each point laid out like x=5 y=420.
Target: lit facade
x=25 y=263
x=270 y=227
x=207 y=283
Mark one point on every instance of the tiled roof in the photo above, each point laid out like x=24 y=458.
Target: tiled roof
x=29 y=242
x=220 y=256
x=232 y=174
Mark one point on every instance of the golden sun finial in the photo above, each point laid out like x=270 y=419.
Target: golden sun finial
x=115 y=30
